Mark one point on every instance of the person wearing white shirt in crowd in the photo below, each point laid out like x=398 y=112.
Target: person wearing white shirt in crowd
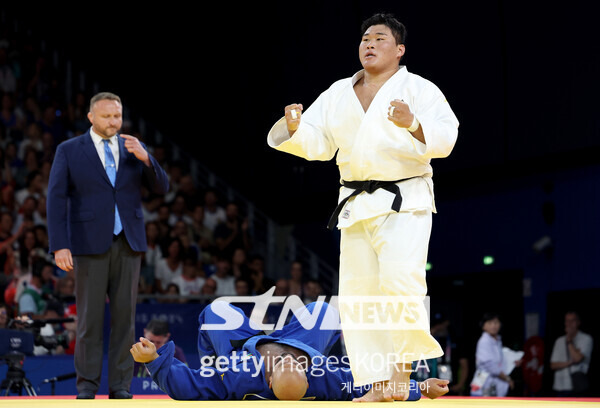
x=213 y=213
x=384 y=125
x=225 y=280
x=170 y=266
x=571 y=354
x=189 y=282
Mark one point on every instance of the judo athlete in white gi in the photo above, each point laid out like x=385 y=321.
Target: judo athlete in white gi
x=385 y=124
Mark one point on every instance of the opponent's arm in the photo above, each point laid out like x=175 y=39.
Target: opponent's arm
x=175 y=378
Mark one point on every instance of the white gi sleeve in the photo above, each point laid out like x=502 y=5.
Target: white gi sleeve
x=439 y=124
x=312 y=140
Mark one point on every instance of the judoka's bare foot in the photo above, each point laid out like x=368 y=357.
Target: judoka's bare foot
x=399 y=385
x=375 y=394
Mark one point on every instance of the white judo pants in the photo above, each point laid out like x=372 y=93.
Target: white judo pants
x=385 y=256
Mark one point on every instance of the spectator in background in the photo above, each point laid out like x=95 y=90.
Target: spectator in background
x=190 y=282
x=77 y=113
x=213 y=212
x=161 y=154
x=209 y=287
x=570 y=359
x=8 y=197
x=27 y=244
x=40 y=216
x=312 y=291
x=4 y=317
x=65 y=291
x=182 y=231
x=242 y=287
x=223 y=277
x=282 y=287
x=187 y=190
x=175 y=171
x=26 y=217
x=8 y=80
x=31 y=302
x=169 y=266
x=232 y=233
x=49 y=147
x=296 y=280
x=260 y=283
x=11 y=117
x=16 y=165
x=41 y=236
x=32 y=139
x=34 y=187
x=239 y=265
x=150 y=259
x=162 y=221
x=172 y=294
x=489 y=379
x=8 y=239
x=157 y=331
x=179 y=211
x=202 y=235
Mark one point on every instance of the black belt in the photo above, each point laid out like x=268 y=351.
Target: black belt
x=369 y=187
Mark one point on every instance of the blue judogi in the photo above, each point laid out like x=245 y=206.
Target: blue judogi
x=243 y=377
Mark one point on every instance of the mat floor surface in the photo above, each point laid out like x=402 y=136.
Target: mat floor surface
x=102 y=401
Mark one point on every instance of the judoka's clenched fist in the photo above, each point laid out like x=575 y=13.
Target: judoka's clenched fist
x=293 y=113
x=433 y=387
x=399 y=113
x=144 y=351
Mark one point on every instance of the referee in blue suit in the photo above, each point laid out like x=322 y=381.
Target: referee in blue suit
x=96 y=228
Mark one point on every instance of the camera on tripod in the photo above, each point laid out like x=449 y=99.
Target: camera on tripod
x=35 y=327
x=17 y=342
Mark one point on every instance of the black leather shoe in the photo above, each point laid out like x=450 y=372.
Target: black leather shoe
x=121 y=394
x=86 y=395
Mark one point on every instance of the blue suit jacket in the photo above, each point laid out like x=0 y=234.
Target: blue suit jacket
x=81 y=198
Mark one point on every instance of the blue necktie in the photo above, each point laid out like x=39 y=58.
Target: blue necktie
x=111 y=171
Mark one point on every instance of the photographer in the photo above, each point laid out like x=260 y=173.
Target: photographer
x=30 y=302
x=49 y=335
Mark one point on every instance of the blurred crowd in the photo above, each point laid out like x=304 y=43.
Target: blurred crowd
x=199 y=245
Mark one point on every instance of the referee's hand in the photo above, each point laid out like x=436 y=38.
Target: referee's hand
x=64 y=259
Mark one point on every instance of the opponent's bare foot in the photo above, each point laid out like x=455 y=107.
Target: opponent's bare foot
x=398 y=387
x=375 y=394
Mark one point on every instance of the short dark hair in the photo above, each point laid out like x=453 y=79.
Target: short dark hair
x=104 y=96
x=487 y=317
x=158 y=327
x=398 y=29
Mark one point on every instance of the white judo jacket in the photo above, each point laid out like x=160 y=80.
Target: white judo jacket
x=371 y=147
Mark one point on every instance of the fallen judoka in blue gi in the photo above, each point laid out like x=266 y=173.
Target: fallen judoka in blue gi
x=289 y=364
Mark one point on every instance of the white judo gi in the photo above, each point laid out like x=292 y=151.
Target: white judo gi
x=383 y=252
